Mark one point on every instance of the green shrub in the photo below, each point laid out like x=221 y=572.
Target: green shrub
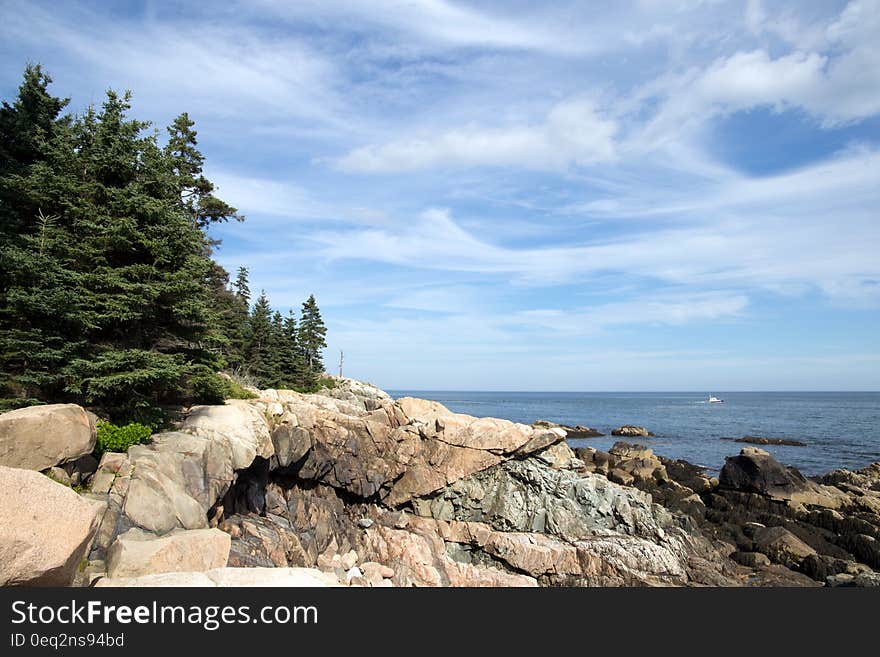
x=235 y=391
x=316 y=385
x=207 y=387
x=112 y=438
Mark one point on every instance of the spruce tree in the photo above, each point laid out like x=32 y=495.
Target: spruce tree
x=311 y=339
x=290 y=360
x=108 y=293
x=258 y=352
x=242 y=290
x=195 y=191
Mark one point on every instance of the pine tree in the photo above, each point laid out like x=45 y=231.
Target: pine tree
x=290 y=360
x=108 y=295
x=276 y=375
x=311 y=339
x=196 y=192
x=241 y=286
x=258 y=353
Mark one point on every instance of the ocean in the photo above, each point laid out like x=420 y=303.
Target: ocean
x=841 y=429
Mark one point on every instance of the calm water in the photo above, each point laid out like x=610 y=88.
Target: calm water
x=841 y=429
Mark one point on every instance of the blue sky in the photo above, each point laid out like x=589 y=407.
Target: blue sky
x=651 y=195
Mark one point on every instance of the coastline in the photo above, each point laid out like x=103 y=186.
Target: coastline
x=350 y=487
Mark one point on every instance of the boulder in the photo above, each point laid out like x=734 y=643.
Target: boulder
x=40 y=437
x=238 y=425
x=576 y=432
x=137 y=553
x=756 y=471
x=45 y=529
x=626 y=451
x=621 y=477
x=631 y=431
x=181 y=475
x=751 y=559
x=781 y=546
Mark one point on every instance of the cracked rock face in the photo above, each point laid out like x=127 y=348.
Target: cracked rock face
x=351 y=477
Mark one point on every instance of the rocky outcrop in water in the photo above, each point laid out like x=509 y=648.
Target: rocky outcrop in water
x=577 y=431
x=761 y=440
x=631 y=431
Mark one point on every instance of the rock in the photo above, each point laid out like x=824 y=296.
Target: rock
x=781 y=546
x=631 y=431
x=626 y=451
x=238 y=425
x=137 y=553
x=621 y=477
x=376 y=572
x=40 y=437
x=761 y=440
x=756 y=471
x=751 y=559
x=353 y=573
x=559 y=456
x=179 y=477
x=228 y=577
x=112 y=463
x=365 y=523
x=58 y=474
x=45 y=529
x=349 y=560
x=576 y=432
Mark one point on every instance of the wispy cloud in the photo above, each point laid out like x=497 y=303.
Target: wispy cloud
x=563 y=194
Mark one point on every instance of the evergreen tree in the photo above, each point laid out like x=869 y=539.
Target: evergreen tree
x=258 y=353
x=108 y=293
x=311 y=339
x=195 y=191
x=290 y=360
x=106 y=289
x=241 y=286
x=276 y=376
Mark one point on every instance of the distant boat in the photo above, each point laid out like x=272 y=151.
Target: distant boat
x=714 y=400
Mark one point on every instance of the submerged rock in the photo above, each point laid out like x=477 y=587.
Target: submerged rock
x=761 y=440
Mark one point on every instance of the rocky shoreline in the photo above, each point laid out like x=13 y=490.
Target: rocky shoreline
x=349 y=487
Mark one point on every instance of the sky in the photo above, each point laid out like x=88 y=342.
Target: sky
x=648 y=195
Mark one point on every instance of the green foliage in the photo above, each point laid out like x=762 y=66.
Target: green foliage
x=108 y=293
x=112 y=438
x=208 y=387
x=236 y=391
x=311 y=336
x=205 y=387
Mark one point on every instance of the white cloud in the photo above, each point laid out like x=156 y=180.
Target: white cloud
x=769 y=232
x=573 y=133
x=670 y=309
x=747 y=79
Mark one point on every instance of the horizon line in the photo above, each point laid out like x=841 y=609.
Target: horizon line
x=624 y=391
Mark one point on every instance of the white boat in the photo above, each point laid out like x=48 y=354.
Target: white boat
x=714 y=400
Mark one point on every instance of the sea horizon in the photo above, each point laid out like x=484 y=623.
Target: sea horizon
x=839 y=427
